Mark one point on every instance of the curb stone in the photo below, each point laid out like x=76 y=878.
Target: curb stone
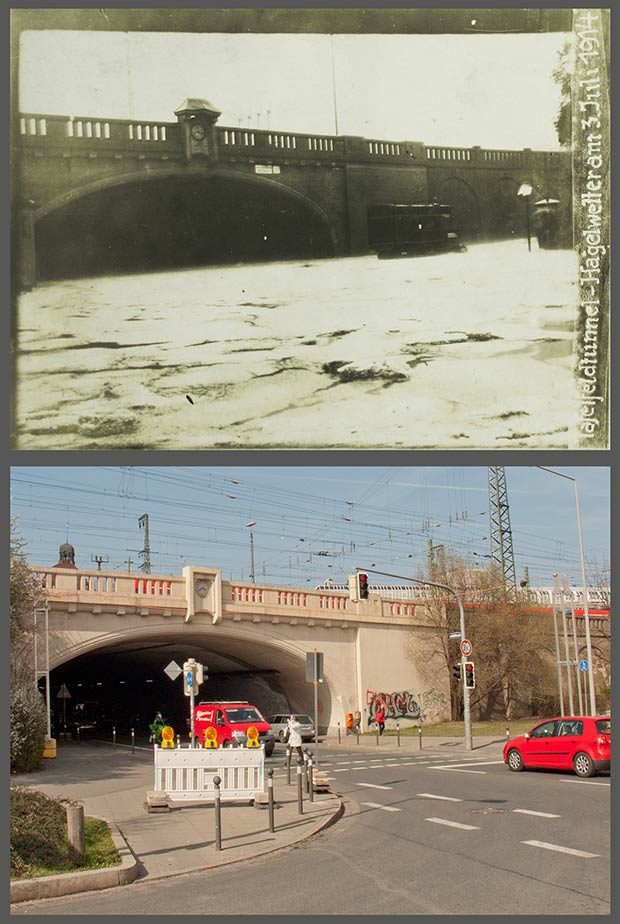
x=23 y=890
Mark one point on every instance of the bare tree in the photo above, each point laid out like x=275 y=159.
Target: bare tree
x=513 y=643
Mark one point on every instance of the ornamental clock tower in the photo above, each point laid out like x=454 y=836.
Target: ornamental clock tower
x=197 y=118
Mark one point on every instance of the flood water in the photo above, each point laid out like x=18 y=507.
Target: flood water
x=457 y=350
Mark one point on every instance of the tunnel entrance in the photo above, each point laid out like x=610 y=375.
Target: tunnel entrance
x=125 y=685
x=175 y=222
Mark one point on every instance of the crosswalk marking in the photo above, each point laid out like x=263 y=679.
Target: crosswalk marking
x=453 y=824
x=385 y=808
x=430 y=795
x=556 y=847
x=540 y=814
x=374 y=786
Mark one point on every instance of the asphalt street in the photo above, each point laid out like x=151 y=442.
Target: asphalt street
x=432 y=832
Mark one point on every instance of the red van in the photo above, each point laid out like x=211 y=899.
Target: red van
x=231 y=720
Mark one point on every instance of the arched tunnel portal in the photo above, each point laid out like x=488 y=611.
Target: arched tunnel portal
x=124 y=684
x=177 y=220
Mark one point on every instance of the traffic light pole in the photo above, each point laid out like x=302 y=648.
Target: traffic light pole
x=466 y=710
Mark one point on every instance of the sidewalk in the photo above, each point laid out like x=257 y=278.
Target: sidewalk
x=113 y=784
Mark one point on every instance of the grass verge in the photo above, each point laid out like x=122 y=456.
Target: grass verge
x=39 y=845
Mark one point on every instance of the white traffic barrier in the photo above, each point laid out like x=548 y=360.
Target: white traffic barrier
x=186 y=774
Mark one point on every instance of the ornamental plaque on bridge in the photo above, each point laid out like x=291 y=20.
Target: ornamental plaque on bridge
x=173 y=670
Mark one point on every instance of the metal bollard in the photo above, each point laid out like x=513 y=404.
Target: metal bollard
x=288 y=766
x=133 y=741
x=398 y=733
x=419 y=736
x=357 y=733
x=77 y=730
x=218 y=813
x=339 y=740
x=507 y=732
x=308 y=770
x=300 y=795
x=272 y=826
x=178 y=742
x=377 y=734
x=310 y=781
x=114 y=736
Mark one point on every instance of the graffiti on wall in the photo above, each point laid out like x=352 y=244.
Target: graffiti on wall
x=405 y=704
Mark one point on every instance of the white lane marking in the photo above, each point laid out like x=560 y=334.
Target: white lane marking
x=587 y=782
x=556 y=847
x=453 y=824
x=353 y=769
x=373 y=786
x=385 y=808
x=341 y=771
x=478 y=763
x=430 y=795
x=456 y=770
x=540 y=814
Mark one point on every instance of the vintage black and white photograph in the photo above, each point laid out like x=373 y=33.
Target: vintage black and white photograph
x=310 y=229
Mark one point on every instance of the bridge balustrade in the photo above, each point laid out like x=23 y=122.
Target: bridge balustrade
x=164 y=137
x=441 y=153
x=386 y=148
x=249 y=594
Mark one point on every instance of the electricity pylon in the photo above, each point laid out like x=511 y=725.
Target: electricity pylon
x=500 y=534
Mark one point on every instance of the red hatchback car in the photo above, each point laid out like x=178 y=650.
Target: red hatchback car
x=579 y=743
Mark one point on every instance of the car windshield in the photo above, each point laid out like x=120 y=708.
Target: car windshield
x=245 y=714
x=603 y=726
x=304 y=720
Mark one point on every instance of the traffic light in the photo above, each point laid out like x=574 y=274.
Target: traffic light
x=362 y=586
x=457 y=672
x=470 y=675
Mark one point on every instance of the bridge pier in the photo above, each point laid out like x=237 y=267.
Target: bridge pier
x=24 y=247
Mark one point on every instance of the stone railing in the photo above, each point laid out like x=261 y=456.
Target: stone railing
x=103 y=588
x=88 y=133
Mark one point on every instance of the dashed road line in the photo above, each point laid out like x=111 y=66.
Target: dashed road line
x=539 y=814
x=453 y=824
x=559 y=849
x=457 y=770
x=385 y=808
x=430 y=795
x=373 y=786
x=587 y=782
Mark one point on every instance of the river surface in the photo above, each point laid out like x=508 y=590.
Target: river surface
x=458 y=350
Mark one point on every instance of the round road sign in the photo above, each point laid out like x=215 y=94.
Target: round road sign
x=466 y=647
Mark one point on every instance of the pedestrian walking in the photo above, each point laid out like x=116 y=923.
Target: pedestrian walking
x=294 y=735
x=380 y=719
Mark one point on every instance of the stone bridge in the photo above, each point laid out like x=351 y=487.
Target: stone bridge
x=376 y=646
x=96 y=194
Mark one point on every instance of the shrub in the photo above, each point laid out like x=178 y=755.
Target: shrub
x=28 y=725
x=38 y=831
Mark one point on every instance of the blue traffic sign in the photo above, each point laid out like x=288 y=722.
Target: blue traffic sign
x=189 y=677
x=583 y=665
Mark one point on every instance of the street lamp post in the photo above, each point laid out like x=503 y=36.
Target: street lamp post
x=466 y=709
x=586 y=612
x=250 y=525
x=525 y=191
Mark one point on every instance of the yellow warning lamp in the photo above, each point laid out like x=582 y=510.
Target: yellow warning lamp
x=210 y=736
x=252 y=734
x=167 y=736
